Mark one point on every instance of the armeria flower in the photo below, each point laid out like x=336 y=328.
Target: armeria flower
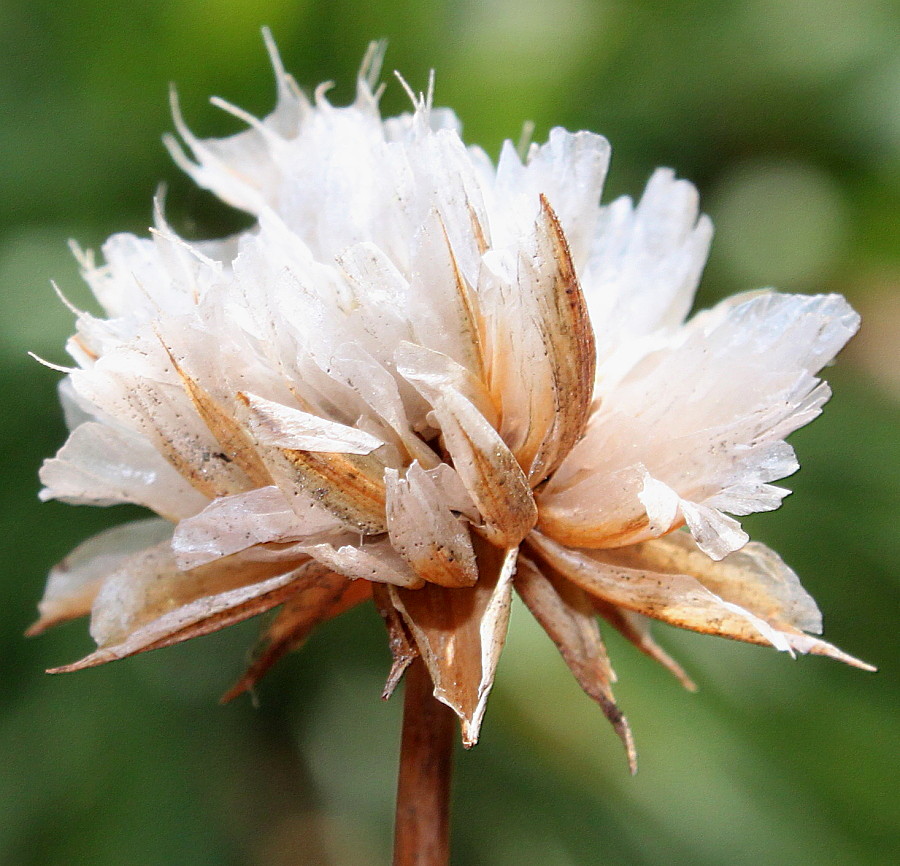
x=427 y=381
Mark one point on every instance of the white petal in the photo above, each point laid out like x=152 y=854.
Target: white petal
x=488 y=469
x=661 y=504
x=234 y=523
x=569 y=170
x=290 y=428
x=716 y=534
x=104 y=465
x=706 y=417
x=138 y=385
x=645 y=263
x=543 y=378
x=442 y=305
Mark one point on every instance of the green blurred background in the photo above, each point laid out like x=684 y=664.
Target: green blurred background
x=786 y=113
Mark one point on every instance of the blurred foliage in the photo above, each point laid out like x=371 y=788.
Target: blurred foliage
x=786 y=113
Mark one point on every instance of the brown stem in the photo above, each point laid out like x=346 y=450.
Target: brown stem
x=422 y=826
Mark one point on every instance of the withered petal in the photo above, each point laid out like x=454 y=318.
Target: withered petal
x=460 y=633
x=149 y=585
x=754 y=577
x=350 y=486
x=196 y=618
x=678 y=599
x=566 y=614
x=237 y=445
x=571 y=353
x=373 y=560
x=425 y=532
x=636 y=628
x=318 y=595
x=402 y=646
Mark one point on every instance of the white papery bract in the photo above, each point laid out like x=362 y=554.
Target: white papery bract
x=426 y=380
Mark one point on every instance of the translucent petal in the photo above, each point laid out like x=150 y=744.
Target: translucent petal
x=486 y=466
x=706 y=417
x=755 y=577
x=299 y=431
x=544 y=378
x=645 y=263
x=681 y=599
x=375 y=560
x=73 y=584
x=234 y=523
x=104 y=465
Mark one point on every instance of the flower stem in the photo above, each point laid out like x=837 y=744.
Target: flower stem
x=422 y=826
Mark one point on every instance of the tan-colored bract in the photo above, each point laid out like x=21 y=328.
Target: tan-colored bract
x=429 y=381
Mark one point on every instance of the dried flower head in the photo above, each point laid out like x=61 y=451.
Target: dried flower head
x=428 y=381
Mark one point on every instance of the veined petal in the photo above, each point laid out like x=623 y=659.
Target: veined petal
x=570 y=170
x=673 y=597
x=755 y=577
x=460 y=633
x=425 y=532
x=570 y=344
x=544 y=377
x=349 y=486
x=138 y=385
x=566 y=614
x=444 y=308
x=417 y=363
x=149 y=584
x=319 y=595
x=237 y=445
x=73 y=584
x=380 y=392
